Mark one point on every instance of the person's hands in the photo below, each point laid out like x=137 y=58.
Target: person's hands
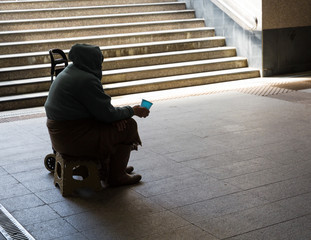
x=141 y=112
x=121 y=125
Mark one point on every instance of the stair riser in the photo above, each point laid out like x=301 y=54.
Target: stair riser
x=55 y=34
x=108 y=65
x=179 y=83
x=21 y=61
x=24 y=74
x=146 y=74
x=69 y=3
x=12 y=26
x=111 y=64
x=51 y=13
x=11 y=48
x=22 y=103
x=24 y=88
x=119 y=52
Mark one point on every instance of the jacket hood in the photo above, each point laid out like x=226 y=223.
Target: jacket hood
x=88 y=58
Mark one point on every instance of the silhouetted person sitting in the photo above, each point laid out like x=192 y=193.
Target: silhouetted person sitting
x=83 y=123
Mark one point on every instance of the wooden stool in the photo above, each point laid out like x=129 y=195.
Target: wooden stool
x=72 y=173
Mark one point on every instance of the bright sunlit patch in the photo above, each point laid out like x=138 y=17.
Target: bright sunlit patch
x=211 y=88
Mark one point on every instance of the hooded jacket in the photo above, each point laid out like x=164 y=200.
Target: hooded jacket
x=77 y=92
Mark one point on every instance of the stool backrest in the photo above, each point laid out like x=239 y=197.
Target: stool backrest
x=59 y=61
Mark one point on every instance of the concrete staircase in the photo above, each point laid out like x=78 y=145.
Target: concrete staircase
x=148 y=45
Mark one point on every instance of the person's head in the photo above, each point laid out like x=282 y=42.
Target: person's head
x=88 y=58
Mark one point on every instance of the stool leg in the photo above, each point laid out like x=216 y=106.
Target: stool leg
x=65 y=170
x=62 y=176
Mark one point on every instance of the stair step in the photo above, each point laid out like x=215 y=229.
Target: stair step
x=26 y=4
x=108 y=29
x=89 y=10
x=147 y=85
x=179 y=81
x=23 y=101
x=172 y=69
x=23 y=86
x=25 y=72
x=21 y=59
x=21 y=24
x=137 y=73
x=42 y=70
x=168 y=57
x=105 y=40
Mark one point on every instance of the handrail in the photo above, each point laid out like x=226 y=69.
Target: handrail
x=239 y=14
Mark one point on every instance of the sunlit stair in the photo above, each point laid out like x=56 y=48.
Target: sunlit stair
x=148 y=45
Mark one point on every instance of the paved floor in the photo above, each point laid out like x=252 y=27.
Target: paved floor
x=221 y=163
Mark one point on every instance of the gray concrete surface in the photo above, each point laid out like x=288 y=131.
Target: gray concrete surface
x=217 y=163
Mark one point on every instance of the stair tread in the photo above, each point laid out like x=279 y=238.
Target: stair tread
x=161 y=54
x=93 y=16
x=134 y=57
x=131 y=45
x=24 y=81
x=105 y=36
x=23 y=96
x=171 y=65
x=100 y=26
x=179 y=77
x=128 y=70
x=90 y=7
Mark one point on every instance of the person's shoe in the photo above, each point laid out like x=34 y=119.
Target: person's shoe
x=129 y=169
x=126 y=180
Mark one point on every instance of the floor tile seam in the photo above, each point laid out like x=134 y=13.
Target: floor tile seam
x=17 y=183
x=251 y=188
x=272 y=171
x=202 y=229
x=202 y=170
x=189 y=187
x=27 y=225
x=221 y=196
x=289 y=197
x=242 y=161
x=268 y=184
x=198 y=158
x=69 y=215
x=22 y=209
x=203 y=200
x=50 y=220
x=243 y=174
x=24 y=170
x=187 y=223
x=255 y=207
x=164 y=192
x=176 y=229
x=42 y=198
x=18 y=195
x=266 y=227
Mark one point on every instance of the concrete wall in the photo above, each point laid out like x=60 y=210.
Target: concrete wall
x=286 y=14
x=286 y=50
x=248 y=43
x=286 y=36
